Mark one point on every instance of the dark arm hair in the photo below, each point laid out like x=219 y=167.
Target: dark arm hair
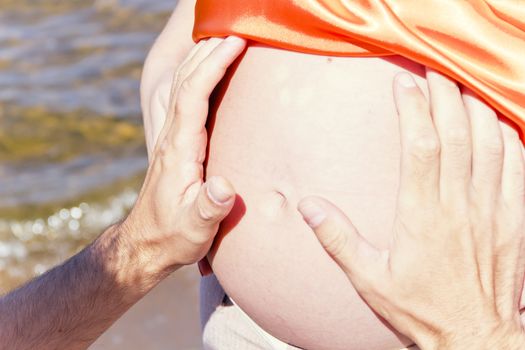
x=70 y=306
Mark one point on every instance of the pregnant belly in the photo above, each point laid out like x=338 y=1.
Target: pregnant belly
x=286 y=125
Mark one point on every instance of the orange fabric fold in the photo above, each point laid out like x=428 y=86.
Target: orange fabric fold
x=480 y=43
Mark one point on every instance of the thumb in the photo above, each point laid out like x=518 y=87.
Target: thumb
x=338 y=236
x=213 y=203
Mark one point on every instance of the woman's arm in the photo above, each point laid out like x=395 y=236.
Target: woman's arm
x=167 y=54
x=453 y=275
x=173 y=223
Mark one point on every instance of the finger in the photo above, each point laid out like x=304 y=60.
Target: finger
x=521 y=288
x=213 y=203
x=487 y=150
x=158 y=111
x=453 y=128
x=166 y=94
x=186 y=135
x=191 y=105
x=510 y=257
x=192 y=62
x=167 y=97
x=521 y=273
x=487 y=161
x=519 y=278
x=170 y=83
x=341 y=240
x=419 y=145
x=513 y=174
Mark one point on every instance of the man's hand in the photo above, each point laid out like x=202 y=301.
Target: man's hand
x=453 y=275
x=177 y=214
x=173 y=223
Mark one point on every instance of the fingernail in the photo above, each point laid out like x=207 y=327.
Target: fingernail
x=312 y=213
x=217 y=191
x=405 y=80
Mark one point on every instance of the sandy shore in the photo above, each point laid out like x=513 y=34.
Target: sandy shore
x=167 y=318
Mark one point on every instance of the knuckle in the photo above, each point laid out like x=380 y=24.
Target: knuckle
x=156 y=167
x=424 y=148
x=187 y=88
x=183 y=105
x=197 y=234
x=206 y=213
x=165 y=157
x=492 y=147
x=195 y=171
x=164 y=150
x=336 y=242
x=457 y=138
x=190 y=97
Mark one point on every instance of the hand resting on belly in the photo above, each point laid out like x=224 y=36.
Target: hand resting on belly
x=452 y=276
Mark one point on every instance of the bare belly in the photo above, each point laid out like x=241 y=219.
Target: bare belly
x=291 y=125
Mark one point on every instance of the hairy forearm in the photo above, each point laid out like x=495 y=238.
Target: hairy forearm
x=73 y=304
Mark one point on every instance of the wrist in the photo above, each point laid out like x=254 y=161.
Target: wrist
x=509 y=337
x=502 y=336
x=131 y=263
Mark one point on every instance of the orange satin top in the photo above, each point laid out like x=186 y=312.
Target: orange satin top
x=480 y=43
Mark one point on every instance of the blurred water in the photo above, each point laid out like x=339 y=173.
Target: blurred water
x=49 y=56
x=62 y=182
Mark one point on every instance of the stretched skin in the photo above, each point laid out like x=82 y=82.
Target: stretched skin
x=287 y=125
